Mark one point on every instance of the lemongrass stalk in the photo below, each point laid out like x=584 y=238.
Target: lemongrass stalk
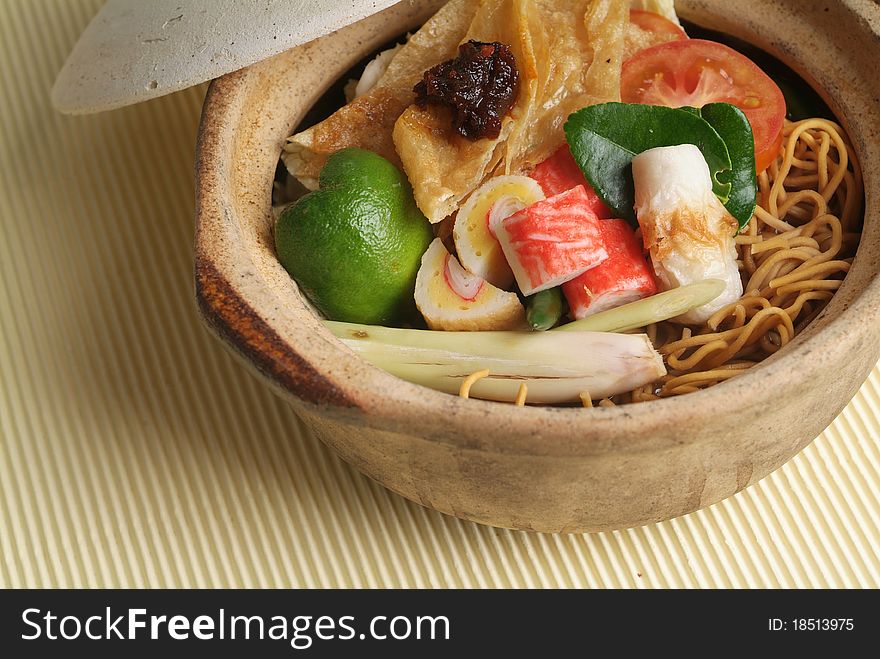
x=654 y=309
x=555 y=368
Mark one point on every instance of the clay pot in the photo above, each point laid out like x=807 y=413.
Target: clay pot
x=534 y=468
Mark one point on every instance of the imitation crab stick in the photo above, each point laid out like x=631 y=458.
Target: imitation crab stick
x=552 y=241
x=688 y=232
x=560 y=173
x=474 y=231
x=451 y=298
x=623 y=277
x=555 y=367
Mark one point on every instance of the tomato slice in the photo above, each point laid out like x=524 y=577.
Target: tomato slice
x=697 y=72
x=648 y=29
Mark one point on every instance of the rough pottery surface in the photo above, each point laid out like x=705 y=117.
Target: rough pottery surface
x=534 y=468
x=134 y=51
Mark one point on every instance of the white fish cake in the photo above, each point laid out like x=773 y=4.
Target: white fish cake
x=689 y=233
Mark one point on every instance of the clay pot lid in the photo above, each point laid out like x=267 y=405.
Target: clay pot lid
x=133 y=51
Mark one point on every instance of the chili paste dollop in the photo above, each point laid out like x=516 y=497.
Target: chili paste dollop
x=480 y=86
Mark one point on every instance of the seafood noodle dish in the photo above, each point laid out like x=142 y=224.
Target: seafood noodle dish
x=569 y=202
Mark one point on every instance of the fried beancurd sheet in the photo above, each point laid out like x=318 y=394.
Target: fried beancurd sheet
x=568 y=53
x=367 y=122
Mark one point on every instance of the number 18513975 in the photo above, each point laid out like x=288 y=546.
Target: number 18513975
x=811 y=624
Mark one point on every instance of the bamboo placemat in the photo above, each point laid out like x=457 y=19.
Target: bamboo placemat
x=135 y=452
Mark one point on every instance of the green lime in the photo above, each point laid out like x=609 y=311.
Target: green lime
x=354 y=246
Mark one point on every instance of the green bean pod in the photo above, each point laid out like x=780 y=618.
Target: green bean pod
x=544 y=309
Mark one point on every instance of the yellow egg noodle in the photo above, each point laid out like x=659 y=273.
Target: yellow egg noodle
x=469 y=381
x=522 y=394
x=793 y=255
